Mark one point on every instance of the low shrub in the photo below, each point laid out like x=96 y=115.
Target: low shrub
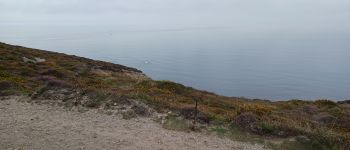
x=54 y=82
x=6 y=85
x=325 y=103
x=53 y=72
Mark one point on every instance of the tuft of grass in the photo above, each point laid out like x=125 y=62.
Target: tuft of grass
x=220 y=131
x=303 y=143
x=129 y=114
x=237 y=133
x=268 y=128
x=96 y=97
x=176 y=123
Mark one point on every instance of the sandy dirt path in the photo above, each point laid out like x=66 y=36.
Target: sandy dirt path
x=42 y=127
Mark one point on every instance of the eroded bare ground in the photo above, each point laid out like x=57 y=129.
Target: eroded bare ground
x=26 y=125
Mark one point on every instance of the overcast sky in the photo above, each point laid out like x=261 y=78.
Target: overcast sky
x=271 y=15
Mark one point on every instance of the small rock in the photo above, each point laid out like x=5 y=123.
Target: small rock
x=36 y=60
x=39 y=60
x=26 y=60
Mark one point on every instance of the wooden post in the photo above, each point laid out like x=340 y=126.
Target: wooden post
x=195 y=114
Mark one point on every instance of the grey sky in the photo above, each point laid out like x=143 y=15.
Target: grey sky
x=268 y=15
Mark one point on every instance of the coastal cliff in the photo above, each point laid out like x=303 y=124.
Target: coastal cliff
x=76 y=82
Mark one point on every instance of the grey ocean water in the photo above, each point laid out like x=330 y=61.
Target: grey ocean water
x=269 y=66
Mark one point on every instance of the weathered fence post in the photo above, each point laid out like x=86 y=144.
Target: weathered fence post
x=194 y=123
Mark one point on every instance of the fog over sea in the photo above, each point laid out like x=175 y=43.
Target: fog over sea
x=227 y=47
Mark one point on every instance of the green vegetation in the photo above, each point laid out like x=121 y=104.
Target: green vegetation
x=129 y=115
x=321 y=124
x=176 y=123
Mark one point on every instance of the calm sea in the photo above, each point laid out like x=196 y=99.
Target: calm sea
x=277 y=66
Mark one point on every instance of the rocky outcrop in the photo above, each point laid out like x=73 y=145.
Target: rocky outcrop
x=35 y=60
